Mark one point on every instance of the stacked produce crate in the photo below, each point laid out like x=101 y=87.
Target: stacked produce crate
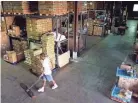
x=17 y=6
x=70 y=6
x=14 y=31
x=7 y=6
x=90 y=26
x=37 y=27
x=48 y=45
x=52 y=7
x=98 y=31
x=28 y=56
x=19 y=46
x=95 y=5
x=36 y=65
x=82 y=6
x=25 y=7
x=9 y=21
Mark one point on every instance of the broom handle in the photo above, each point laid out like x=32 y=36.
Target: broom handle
x=33 y=84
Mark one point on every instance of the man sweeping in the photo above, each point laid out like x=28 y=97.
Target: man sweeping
x=47 y=72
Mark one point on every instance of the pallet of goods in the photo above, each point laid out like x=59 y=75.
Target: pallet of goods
x=9 y=21
x=91 y=5
x=13 y=57
x=52 y=7
x=121 y=95
x=20 y=7
x=19 y=46
x=70 y=6
x=37 y=27
x=7 y=6
x=30 y=53
x=130 y=82
x=14 y=31
x=82 y=6
x=98 y=30
x=28 y=56
x=90 y=26
x=48 y=46
x=36 y=65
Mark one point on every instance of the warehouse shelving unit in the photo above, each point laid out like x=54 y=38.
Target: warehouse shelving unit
x=103 y=25
x=40 y=16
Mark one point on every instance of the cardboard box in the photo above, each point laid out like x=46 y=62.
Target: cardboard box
x=12 y=58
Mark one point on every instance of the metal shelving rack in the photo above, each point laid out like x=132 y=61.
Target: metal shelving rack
x=37 y=15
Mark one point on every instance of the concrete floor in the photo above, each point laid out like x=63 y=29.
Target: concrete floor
x=87 y=81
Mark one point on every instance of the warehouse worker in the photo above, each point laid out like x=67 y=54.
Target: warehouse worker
x=47 y=72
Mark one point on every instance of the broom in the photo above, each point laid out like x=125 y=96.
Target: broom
x=28 y=90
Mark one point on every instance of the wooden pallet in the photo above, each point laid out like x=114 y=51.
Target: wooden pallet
x=18 y=13
x=52 y=14
x=8 y=13
x=47 y=15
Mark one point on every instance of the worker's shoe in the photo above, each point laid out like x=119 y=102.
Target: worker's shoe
x=41 y=89
x=55 y=86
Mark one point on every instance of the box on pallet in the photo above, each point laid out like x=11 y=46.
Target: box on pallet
x=48 y=44
x=52 y=7
x=12 y=58
x=25 y=7
x=15 y=31
x=90 y=26
x=30 y=54
x=19 y=46
x=128 y=83
x=98 y=31
x=37 y=27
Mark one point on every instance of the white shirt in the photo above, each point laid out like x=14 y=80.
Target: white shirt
x=60 y=37
x=46 y=65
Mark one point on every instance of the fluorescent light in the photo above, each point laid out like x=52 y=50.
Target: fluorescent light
x=135 y=7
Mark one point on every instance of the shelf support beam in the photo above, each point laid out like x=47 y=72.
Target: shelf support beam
x=75 y=35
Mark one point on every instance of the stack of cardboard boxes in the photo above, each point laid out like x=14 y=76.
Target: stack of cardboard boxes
x=48 y=46
x=13 y=57
x=82 y=6
x=90 y=26
x=37 y=27
x=18 y=53
x=98 y=31
x=19 y=46
x=52 y=7
x=10 y=56
x=36 y=66
x=95 y=5
x=28 y=56
x=14 y=31
x=70 y=6
x=25 y=7
x=7 y=6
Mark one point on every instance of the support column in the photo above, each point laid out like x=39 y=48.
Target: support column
x=75 y=29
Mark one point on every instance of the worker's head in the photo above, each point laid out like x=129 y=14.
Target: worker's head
x=42 y=56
